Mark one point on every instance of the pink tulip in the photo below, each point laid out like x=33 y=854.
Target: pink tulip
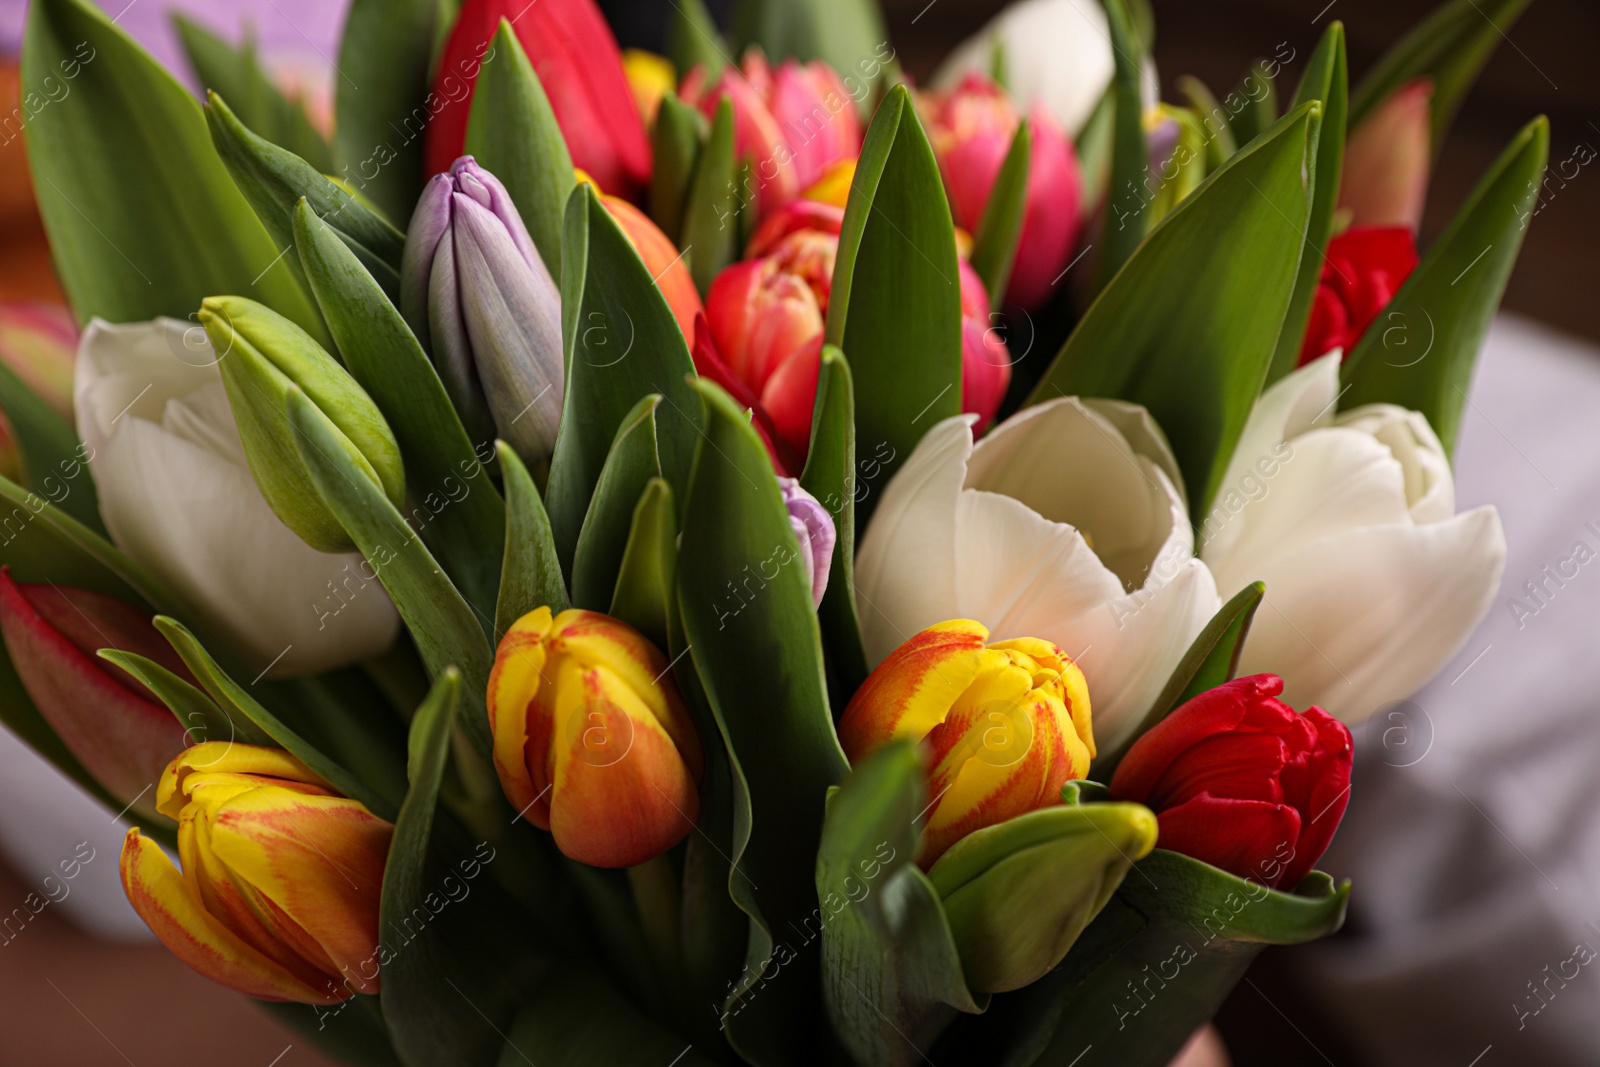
x=791 y=124
x=580 y=66
x=985 y=359
x=971 y=127
x=111 y=723
x=1387 y=160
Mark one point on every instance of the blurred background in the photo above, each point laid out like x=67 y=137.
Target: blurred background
x=111 y=996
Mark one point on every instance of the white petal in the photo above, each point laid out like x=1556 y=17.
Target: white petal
x=1070 y=463
x=1329 y=481
x=905 y=566
x=1058 y=51
x=1355 y=621
x=133 y=369
x=1430 y=490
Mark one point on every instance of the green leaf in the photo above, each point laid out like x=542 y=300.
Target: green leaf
x=632 y=462
x=54 y=461
x=1018 y=894
x=381 y=112
x=891 y=974
x=1219 y=135
x=578 y=1020
x=236 y=73
x=896 y=303
x=202 y=717
x=710 y=230
x=57 y=547
x=693 y=40
x=531 y=574
x=763 y=674
x=1260 y=110
x=425 y=1024
x=142 y=217
x=1095 y=144
x=446 y=631
x=1127 y=207
x=237 y=703
x=994 y=246
x=1212 y=658
x=1449 y=47
x=454 y=504
x=1325 y=79
x=646 y=580
x=848 y=35
x=1188 y=341
x=512 y=132
x=622 y=344
x=676 y=141
x=1178 y=931
x=1452 y=295
x=831 y=477
x=274 y=180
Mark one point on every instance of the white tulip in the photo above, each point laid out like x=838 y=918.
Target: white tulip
x=177 y=495
x=1373 y=581
x=1067 y=522
x=1056 y=51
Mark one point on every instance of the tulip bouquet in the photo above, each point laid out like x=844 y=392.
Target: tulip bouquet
x=580 y=563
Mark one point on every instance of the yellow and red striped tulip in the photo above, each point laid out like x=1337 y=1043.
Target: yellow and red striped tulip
x=1004 y=725
x=278 y=897
x=591 y=738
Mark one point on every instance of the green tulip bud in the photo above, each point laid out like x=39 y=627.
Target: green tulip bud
x=1018 y=894
x=263 y=356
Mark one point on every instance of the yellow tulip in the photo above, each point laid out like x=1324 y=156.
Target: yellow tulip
x=1004 y=725
x=591 y=739
x=650 y=77
x=278 y=896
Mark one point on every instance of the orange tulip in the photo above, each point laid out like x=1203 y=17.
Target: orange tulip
x=278 y=897
x=591 y=739
x=1004 y=725
x=661 y=258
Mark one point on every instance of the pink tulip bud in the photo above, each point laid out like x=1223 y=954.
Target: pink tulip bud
x=791 y=124
x=971 y=127
x=1387 y=160
x=113 y=725
x=985 y=358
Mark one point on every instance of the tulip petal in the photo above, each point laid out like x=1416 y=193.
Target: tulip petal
x=912 y=531
x=1363 y=618
x=514 y=682
x=162 y=899
x=1387 y=161
x=912 y=689
x=1231 y=834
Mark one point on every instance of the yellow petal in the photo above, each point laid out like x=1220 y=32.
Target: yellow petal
x=514 y=684
x=227 y=758
x=162 y=899
x=912 y=690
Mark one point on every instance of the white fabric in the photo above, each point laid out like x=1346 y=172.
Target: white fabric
x=1473 y=834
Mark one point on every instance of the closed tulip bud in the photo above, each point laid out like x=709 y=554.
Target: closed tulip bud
x=591 y=739
x=1240 y=780
x=110 y=723
x=814 y=529
x=790 y=123
x=262 y=356
x=1387 y=160
x=1004 y=725
x=476 y=292
x=278 y=896
x=971 y=127
x=580 y=66
x=985 y=358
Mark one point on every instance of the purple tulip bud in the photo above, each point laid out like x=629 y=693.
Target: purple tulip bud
x=477 y=294
x=813 y=528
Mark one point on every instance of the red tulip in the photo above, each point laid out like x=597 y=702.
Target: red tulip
x=791 y=123
x=971 y=127
x=1364 y=267
x=113 y=725
x=580 y=66
x=1242 y=781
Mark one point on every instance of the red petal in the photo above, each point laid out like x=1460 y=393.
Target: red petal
x=1318 y=784
x=1215 y=711
x=1240 y=766
x=1249 y=838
